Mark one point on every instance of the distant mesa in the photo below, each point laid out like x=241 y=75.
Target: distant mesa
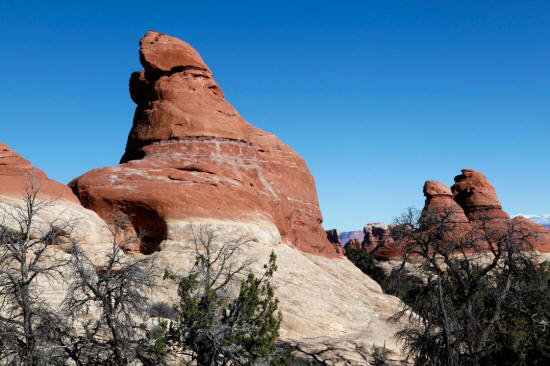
x=190 y=156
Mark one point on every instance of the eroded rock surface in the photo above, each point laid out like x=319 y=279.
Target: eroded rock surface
x=473 y=192
x=439 y=201
x=328 y=305
x=191 y=156
x=474 y=196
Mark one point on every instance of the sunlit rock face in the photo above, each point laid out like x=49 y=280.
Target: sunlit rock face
x=477 y=197
x=324 y=301
x=58 y=205
x=192 y=160
x=474 y=204
x=439 y=201
x=470 y=204
x=190 y=155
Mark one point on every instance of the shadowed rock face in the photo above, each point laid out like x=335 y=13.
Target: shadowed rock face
x=334 y=238
x=191 y=156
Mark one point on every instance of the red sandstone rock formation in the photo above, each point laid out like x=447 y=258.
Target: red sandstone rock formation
x=473 y=192
x=476 y=197
x=376 y=235
x=191 y=156
x=334 y=238
x=15 y=172
x=64 y=207
x=540 y=235
x=470 y=204
x=439 y=201
x=380 y=242
x=353 y=243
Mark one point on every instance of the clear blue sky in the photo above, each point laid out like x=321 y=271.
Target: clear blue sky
x=377 y=96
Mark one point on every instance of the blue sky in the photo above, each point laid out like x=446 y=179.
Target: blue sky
x=377 y=96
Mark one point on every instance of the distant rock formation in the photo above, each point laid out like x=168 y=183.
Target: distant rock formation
x=346 y=236
x=190 y=156
x=439 y=200
x=471 y=201
x=376 y=238
x=16 y=174
x=477 y=197
x=474 y=202
x=376 y=235
x=353 y=243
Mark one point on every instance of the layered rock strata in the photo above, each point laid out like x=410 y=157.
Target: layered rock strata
x=192 y=161
x=474 y=205
x=477 y=197
x=440 y=202
x=191 y=156
x=470 y=204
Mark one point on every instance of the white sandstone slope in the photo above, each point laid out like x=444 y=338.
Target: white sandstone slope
x=326 y=303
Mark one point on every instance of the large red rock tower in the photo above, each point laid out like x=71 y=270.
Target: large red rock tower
x=191 y=156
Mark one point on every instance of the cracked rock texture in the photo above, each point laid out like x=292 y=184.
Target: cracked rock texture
x=190 y=155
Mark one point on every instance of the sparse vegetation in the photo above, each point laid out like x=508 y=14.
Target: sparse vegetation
x=29 y=326
x=484 y=300
x=115 y=293
x=215 y=327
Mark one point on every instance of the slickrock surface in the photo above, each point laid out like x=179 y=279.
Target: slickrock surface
x=325 y=302
x=191 y=156
x=15 y=175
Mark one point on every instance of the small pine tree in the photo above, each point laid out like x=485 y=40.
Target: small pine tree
x=213 y=326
